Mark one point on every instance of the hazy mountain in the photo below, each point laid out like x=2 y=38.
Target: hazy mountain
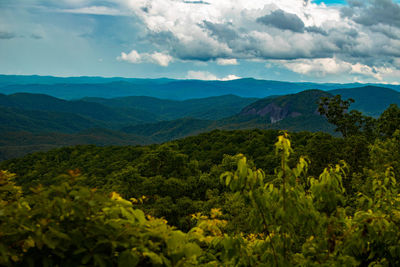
x=169 y=130
x=79 y=87
x=36 y=79
x=371 y=100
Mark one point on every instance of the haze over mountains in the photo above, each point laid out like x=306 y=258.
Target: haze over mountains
x=39 y=113
x=80 y=87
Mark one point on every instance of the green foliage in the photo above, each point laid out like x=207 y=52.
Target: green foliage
x=389 y=121
x=297 y=224
x=311 y=210
x=349 y=123
x=181 y=177
x=386 y=153
x=71 y=225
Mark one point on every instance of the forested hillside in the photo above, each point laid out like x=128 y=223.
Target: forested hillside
x=36 y=122
x=224 y=198
x=209 y=108
x=45 y=122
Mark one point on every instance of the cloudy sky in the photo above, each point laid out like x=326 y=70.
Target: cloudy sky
x=291 y=40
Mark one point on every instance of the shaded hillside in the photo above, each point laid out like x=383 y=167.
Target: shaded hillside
x=170 y=130
x=210 y=108
x=90 y=110
x=312 y=123
x=18 y=144
x=371 y=100
x=14 y=119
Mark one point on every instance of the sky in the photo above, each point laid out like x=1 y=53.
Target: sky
x=286 y=40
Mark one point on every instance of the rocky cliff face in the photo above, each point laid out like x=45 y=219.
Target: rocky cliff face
x=273 y=111
x=288 y=106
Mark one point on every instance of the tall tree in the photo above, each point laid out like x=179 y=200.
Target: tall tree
x=349 y=123
x=389 y=121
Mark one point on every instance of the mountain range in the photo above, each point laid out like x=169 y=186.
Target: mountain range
x=80 y=87
x=30 y=121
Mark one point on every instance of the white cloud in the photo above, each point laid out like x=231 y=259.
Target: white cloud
x=134 y=57
x=226 y=31
x=326 y=66
x=223 y=61
x=397 y=62
x=230 y=77
x=95 y=10
x=319 y=67
x=161 y=59
x=207 y=76
x=310 y=39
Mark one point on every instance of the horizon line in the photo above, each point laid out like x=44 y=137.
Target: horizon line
x=187 y=79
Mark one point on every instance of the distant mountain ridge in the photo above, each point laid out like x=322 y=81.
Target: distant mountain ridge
x=80 y=87
x=38 y=79
x=371 y=100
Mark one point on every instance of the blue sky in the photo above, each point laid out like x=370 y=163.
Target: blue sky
x=291 y=40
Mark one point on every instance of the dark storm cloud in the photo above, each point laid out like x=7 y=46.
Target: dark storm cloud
x=283 y=20
x=200 y=52
x=223 y=32
x=316 y=29
x=389 y=31
x=373 y=12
